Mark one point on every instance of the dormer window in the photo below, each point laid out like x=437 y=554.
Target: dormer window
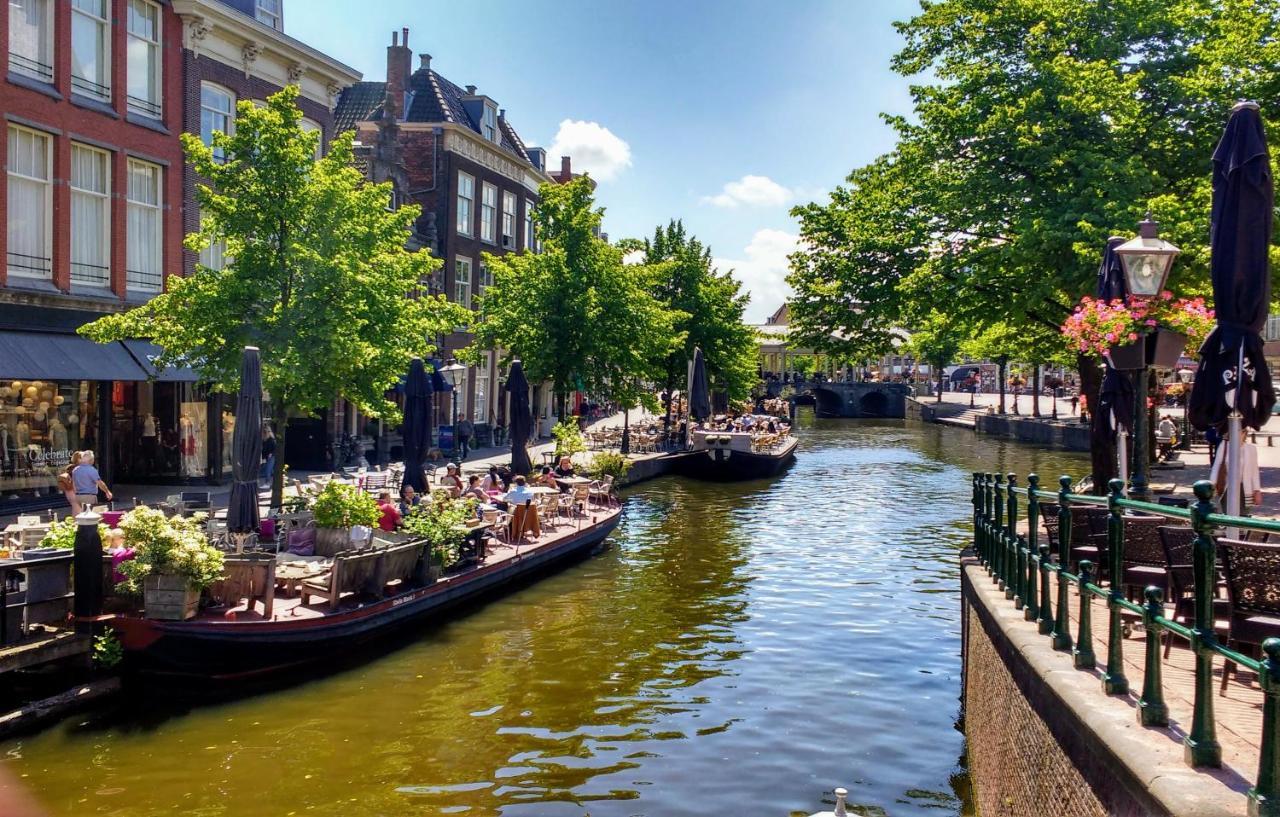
x=489 y=125
x=268 y=11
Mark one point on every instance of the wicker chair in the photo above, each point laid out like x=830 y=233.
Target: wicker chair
x=1253 y=586
x=1178 y=542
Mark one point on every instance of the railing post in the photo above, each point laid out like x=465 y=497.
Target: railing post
x=1264 y=797
x=1082 y=656
x=988 y=483
x=1013 y=562
x=997 y=531
x=1045 y=625
x=1152 y=710
x=1113 y=680
x=1031 y=606
x=1062 y=624
x=977 y=515
x=1202 y=748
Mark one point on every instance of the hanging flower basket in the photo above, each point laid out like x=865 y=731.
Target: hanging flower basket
x=1131 y=355
x=1138 y=331
x=1164 y=347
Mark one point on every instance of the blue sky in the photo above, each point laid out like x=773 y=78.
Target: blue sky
x=724 y=113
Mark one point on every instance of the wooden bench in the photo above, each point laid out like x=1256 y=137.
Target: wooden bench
x=251 y=577
x=351 y=573
x=397 y=564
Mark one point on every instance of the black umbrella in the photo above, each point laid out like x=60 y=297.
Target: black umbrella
x=246 y=447
x=699 y=394
x=521 y=418
x=1114 y=409
x=417 y=425
x=1233 y=373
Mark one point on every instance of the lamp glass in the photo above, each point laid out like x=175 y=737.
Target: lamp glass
x=453 y=373
x=1146 y=262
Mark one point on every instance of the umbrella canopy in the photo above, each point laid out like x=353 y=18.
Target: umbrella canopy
x=1111 y=282
x=699 y=394
x=1233 y=373
x=1114 y=409
x=417 y=425
x=246 y=447
x=521 y=418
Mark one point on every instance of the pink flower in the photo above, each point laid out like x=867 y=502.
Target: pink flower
x=1150 y=322
x=1133 y=336
x=1111 y=336
x=1166 y=295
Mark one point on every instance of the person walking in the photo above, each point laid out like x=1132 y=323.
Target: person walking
x=268 y=451
x=66 y=485
x=86 y=481
x=465 y=430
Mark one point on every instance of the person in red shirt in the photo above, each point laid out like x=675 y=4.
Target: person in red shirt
x=390 y=513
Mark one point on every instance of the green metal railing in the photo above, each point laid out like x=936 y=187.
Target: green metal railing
x=1027 y=573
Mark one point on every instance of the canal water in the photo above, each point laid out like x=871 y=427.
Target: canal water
x=738 y=649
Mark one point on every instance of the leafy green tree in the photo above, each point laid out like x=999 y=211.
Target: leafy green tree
x=574 y=313
x=936 y=340
x=317 y=276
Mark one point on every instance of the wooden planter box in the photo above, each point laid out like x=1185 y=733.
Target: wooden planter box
x=169 y=597
x=1161 y=349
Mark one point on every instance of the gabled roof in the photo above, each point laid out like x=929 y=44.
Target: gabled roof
x=361 y=102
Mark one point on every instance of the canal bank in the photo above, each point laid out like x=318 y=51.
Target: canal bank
x=1062 y=435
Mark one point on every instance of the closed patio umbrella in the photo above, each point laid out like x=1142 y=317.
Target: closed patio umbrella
x=521 y=419
x=1233 y=384
x=417 y=425
x=699 y=394
x=246 y=447
x=1113 y=414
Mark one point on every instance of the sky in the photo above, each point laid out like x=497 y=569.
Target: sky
x=722 y=113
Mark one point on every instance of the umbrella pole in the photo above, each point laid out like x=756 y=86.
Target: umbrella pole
x=1122 y=456
x=1235 y=428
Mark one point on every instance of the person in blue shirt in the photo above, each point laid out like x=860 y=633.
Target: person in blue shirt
x=86 y=481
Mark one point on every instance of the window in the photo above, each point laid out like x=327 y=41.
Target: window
x=485 y=279
x=268 y=11
x=489 y=124
x=311 y=126
x=528 y=226
x=90 y=216
x=481 y=412
x=509 y=221
x=143 y=237
x=144 y=58
x=30 y=203
x=466 y=200
x=31 y=38
x=488 y=212
x=217 y=114
x=462 y=281
x=90 y=48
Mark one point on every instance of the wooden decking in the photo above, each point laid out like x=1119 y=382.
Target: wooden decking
x=42 y=645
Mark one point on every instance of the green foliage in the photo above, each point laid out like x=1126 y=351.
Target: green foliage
x=935 y=339
x=107 y=650
x=62 y=534
x=344 y=506
x=441 y=522
x=163 y=544
x=804 y=365
x=1039 y=128
x=608 y=464
x=568 y=437
x=318 y=277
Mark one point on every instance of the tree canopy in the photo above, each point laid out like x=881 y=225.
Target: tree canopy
x=317 y=275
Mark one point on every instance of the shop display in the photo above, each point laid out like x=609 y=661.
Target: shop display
x=39 y=430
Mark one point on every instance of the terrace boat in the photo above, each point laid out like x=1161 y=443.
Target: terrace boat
x=724 y=456
x=254 y=647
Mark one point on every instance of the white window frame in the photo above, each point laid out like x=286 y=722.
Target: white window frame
x=310 y=125
x=138 y=280
x=488 y=213
x=461 y=283
x=82 y=270
x=529 y=243
x=228 y=115
x=269 y=16
x=508 y=220
x=152 y=106
x=489 y=123
x=40 y=65
x=81 y=16
x=466 y=203
x=480 y=402
x=31 y=267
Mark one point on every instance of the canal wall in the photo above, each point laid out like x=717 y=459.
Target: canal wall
x=1043 y=738
x=1045 y=433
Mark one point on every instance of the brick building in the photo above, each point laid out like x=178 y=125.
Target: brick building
x=453 y=151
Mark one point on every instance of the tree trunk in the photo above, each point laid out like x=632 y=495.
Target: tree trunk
x=940 y=366
x=281 y=422
x=1102 y=446
x=1003 y=375
x=1035 y=392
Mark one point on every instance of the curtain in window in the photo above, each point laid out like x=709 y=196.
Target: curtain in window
x=28 y=38
x=29 y=204
x=90 y=249
x=89 y=74
x=143 y=223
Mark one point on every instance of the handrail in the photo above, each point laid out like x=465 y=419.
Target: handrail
x=1025 y=570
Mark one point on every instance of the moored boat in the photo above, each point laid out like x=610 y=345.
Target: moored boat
x=735 y=455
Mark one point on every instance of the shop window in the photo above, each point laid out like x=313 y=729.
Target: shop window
x=42 y=423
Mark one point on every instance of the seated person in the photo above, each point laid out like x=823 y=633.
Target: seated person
x=519 y=493
x=474 y=491
x=390 y=514
x=492 y=482
x=408 y=500
x=565 y=468
x=548 y=479
x=452 y=481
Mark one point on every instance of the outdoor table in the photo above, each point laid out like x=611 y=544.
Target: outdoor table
x=543 y=489
x=573 y=480
x=475 y=536
x=290 y=576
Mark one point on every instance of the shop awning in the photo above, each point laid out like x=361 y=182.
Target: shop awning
x=145 y=352
x=59 y=356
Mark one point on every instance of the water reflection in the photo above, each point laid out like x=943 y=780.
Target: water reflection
x=740 y=647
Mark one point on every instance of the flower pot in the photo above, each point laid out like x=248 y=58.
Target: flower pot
x=169 y=597
x=1164 y=347
x=330 y=541
x=1129 y=356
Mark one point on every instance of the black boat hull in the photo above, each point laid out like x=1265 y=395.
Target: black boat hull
x=725 y=466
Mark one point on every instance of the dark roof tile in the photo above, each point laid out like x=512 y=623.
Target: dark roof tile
x=359 y=103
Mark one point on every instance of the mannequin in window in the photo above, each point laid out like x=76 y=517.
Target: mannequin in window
x=57 y=435
x=187 y=445
x=149 y=443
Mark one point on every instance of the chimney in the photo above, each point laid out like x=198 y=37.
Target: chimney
x=502 y=113
x=424 y=62
x=399 y=61
x=471 y=90
x=565 y=173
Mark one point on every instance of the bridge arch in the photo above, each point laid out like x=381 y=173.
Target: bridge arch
x=873 y=404
x=827 y=403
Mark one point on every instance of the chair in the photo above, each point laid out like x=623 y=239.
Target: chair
x=1253 y=588
x=195 y=501
x=351 y=573
x=251 y=577
x=549 y=510
x=1087 y=521
x=1049 y=518
x=375 y=482
x=1178 y=543
x=1145 y=562
x=396 y=565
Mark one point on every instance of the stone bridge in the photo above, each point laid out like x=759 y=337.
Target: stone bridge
x=856 y=399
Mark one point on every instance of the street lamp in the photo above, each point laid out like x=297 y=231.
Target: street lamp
x=453 y=374
x=1146 y=260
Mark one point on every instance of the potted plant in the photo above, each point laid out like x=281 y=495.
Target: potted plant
x=173 y=562
x=1137 y=332
x=338 y=508
x=442 y=523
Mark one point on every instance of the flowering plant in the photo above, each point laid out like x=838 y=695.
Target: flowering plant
x=167 y=545
x=62 y=534
x=344 y=506
x=1097 y=324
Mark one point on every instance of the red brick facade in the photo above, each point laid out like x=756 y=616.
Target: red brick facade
x=68 y=117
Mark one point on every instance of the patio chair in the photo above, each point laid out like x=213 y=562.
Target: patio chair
x=249 y=578
x=1145 y=562
x=351 y=573
x=1178 y=542
x=375 y=482
x=1253 y=588
x=1049 y=519
x=194 y=501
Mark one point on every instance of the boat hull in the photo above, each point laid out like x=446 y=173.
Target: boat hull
x=233 y=652
x=733 y=466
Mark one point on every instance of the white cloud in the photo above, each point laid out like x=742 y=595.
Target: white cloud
x=752 y=191
x=593 y=148
x=762 y=269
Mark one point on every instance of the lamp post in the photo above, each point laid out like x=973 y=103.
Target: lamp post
x=1147 y=260
x=453 y=374
x=1186 y=376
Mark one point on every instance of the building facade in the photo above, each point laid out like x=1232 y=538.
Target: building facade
x=451 y=150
